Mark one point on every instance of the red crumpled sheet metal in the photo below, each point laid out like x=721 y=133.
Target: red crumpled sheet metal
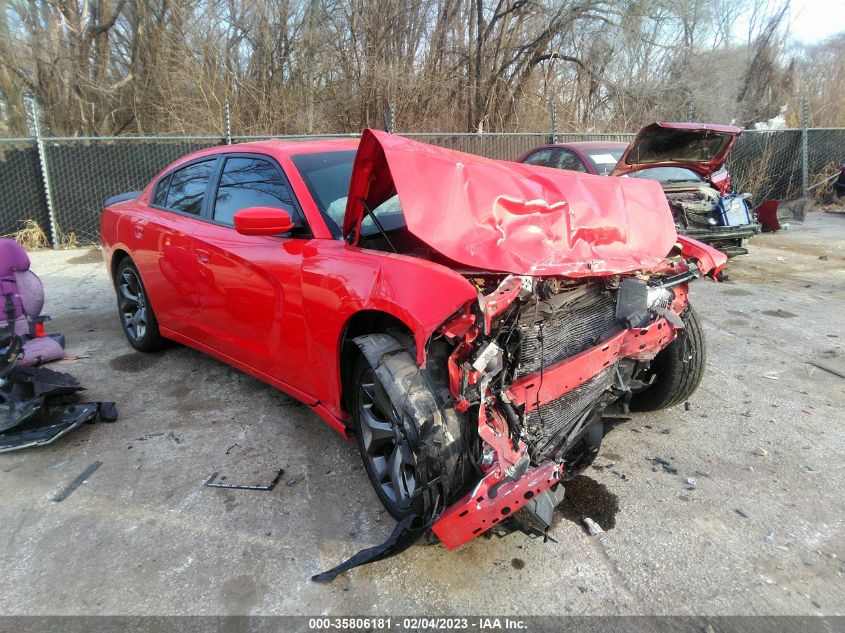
x=512 y=217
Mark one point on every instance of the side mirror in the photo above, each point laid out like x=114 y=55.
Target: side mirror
x=262 y=221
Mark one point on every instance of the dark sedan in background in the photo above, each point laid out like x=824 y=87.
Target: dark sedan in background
x=687 y=159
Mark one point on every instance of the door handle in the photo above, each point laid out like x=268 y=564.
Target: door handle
x=202 y=255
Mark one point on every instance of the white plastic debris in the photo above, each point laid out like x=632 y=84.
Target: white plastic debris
x=691 y=483
x=592 y=527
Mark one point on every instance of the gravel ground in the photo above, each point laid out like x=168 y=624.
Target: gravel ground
x=761 y=532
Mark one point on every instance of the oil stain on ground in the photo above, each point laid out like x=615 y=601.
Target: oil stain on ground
x=783 y=314
x=134 y=362
x=88 y=257
x=585 y=497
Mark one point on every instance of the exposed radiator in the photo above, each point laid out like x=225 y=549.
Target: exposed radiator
x=581 y=322
x=549 y=424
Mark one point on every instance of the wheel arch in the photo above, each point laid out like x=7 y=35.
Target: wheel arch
x=118 y=256
x=363 y=323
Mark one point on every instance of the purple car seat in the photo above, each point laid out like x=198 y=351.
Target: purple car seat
x=21 y=303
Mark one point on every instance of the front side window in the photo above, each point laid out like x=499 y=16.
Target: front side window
x=251 y=182
x=187 y=187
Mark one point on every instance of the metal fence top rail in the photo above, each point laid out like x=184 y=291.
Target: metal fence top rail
x=250 y=137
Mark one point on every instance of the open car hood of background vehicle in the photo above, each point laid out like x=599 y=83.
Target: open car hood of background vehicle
x=511 y=217
x=697 y=146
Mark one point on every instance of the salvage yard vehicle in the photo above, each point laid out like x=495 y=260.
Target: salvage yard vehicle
x=469 y=321
x=687 y=159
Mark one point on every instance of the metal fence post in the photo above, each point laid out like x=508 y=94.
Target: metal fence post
x=228 y=124
x=45 y=174
x=805 y=153
x=553 y=115
x=389 y=122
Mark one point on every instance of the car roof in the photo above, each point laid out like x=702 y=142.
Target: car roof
x=291 y=147
x=591 y=145
x=276 y=146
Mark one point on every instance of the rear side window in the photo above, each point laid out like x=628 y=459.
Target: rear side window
x=568 y=160
x=251 y=182
x=187 y=187
x=160 y=197
x=540 y=157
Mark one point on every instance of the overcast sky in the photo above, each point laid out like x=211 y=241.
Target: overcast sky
x=814 y=20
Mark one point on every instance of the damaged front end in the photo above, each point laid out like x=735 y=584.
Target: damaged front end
x=538 y=362
x=580 y=283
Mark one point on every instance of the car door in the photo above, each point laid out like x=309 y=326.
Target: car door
x=249 y=298
x=162 y=248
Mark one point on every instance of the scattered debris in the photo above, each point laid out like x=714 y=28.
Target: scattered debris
x=658 y=463
x=760 y=452
x=290 y=483
x=687 y=406
x=64 y=494
x=592 y=527
x=229 y=450
x=741 y=513
x=212 y=484
x=770 y=538
x=691 y=483
x=831 y=369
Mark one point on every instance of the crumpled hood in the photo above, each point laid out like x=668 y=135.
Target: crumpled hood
x=704 y=148
x=512 y=217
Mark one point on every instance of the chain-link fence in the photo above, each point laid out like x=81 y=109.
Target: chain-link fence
x=21 y=186
x=81 y=173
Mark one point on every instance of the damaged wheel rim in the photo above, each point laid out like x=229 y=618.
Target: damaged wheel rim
x=133 y=305
x=388 y=452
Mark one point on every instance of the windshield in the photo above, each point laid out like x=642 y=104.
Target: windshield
x=389 y=214
x=667 y=174
x=604 y=160
x=327 y=175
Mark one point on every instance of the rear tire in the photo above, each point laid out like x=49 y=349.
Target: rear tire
x=678 y=368
x=411 y=439
x=136 y=314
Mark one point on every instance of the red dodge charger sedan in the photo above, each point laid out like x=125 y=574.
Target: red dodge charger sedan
x=469 y=321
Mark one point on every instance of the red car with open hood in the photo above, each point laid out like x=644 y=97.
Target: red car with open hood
x=469 y=321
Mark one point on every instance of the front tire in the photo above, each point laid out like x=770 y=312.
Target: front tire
x=136 y=314
x=411 y=439
x=677 y=369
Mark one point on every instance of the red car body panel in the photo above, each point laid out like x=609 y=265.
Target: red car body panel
x=274 y=307
x=512 y=217
x=279 y=307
